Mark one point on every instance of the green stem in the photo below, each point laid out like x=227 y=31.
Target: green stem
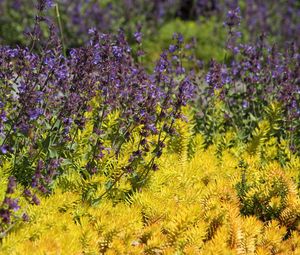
x=60 y=29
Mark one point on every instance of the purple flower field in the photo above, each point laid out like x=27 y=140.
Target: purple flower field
x=116 y=112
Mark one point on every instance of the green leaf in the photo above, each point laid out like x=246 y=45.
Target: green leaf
x=53 y=153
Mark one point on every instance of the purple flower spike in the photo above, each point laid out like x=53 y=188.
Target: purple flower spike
x=233 y=17
x=138 y=36
x=11 y=185
x=117 y=52
x=4 y=149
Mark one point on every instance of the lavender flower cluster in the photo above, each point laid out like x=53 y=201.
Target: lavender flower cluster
x=253 y=76
x=8 y=203
x=48 y=93
x=9 y=207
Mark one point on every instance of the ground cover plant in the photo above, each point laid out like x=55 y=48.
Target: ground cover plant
x=195 y=207
x=149 y=127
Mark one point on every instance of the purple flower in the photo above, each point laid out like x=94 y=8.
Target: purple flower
x=12 y=203
x=233 y=17
x=186 y=92
x=44 y=4
x=172 y=48
x=25 y=217
x=154 y=167
x=152 y=128
x=5 y=215
x=12 y=53
x=50 y=61
x=217 y=76
x=245 y=104
x=11 y=185
x=35 y=113
x=27 y=193
x=92 y=31
x=162 y=63
x=35 y=200
x=49 y=3
x=4 y=149
x=138 y=36
x=117 y=52
x=178 y=37
x=3 y=116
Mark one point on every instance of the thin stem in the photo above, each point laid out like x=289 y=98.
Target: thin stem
x=107 y=190
x=60 y=29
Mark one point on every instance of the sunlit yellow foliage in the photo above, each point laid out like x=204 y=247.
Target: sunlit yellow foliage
x=210 y=204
